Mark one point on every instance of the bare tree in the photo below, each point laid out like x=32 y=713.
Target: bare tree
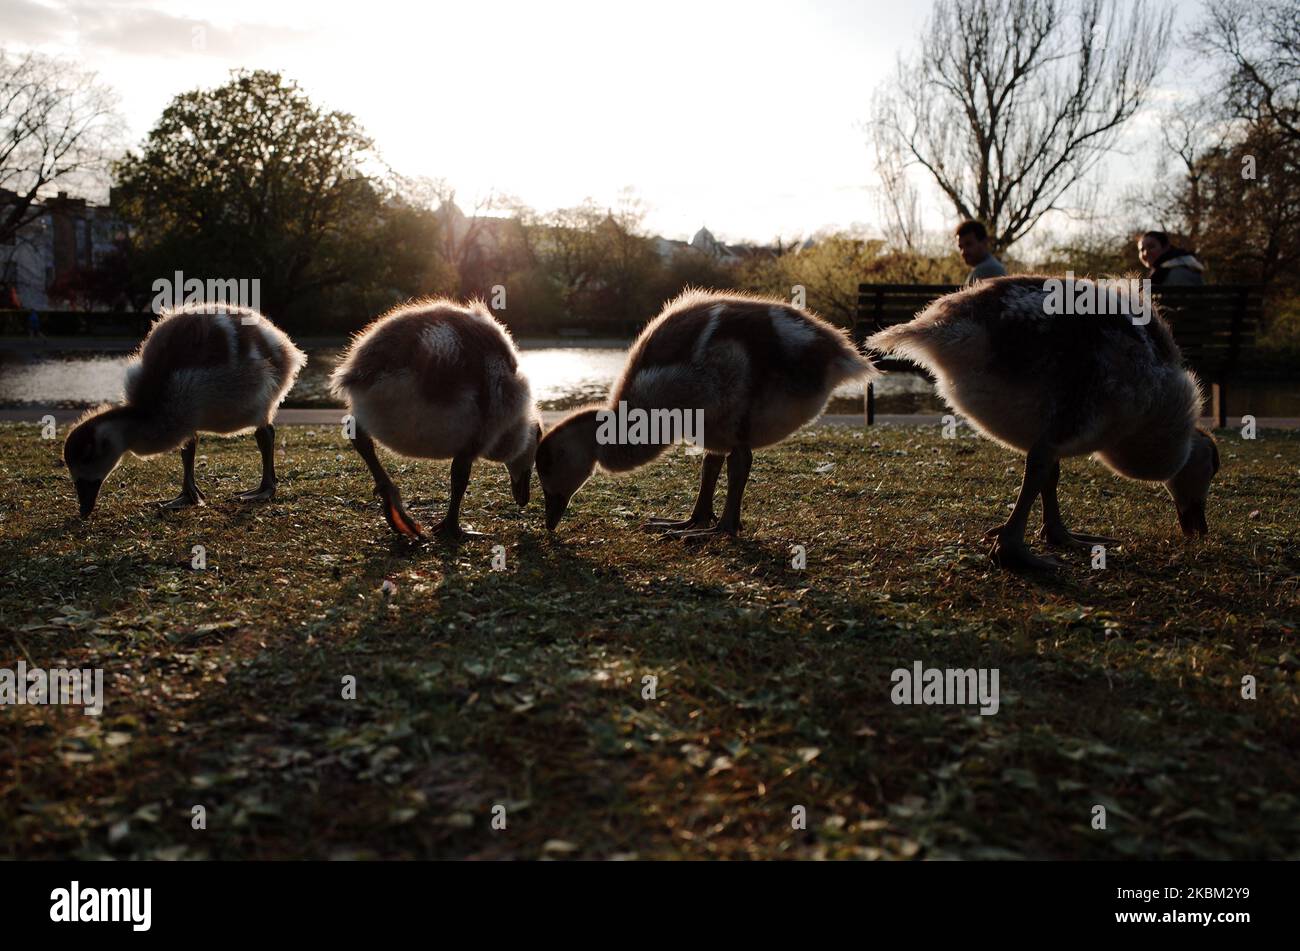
x=897 y=198
x=58 y=126
x=468 y=242
x=1259 y=43
x=1190 y=134
x=1010 y=104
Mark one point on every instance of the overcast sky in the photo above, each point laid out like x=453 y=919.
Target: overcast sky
x=744 y=116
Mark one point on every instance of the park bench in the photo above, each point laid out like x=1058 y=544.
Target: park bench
x=1214 y=325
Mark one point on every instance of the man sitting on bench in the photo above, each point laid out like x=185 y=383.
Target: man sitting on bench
x=977 y=251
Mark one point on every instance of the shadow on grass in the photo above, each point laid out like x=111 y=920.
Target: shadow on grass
x=526 y=689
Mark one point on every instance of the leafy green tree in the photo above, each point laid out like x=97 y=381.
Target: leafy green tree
x=569 y=250
x=628 y=263
x=251 y=179
x=394 y=261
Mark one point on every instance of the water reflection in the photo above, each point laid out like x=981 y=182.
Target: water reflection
x=562 y=377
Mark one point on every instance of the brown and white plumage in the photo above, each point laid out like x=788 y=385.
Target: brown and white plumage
x=201 y=368
x=1053 y=386
x=757 y=368
x=439 y=380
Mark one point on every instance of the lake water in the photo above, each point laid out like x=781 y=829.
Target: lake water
x=562 y=377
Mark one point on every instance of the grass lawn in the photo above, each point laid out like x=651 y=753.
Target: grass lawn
x=523 y=688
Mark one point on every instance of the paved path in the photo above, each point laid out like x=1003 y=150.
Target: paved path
x=331 y=417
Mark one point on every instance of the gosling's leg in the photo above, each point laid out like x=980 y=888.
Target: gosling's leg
x=190 y=492
x=703 y=516
x=739 y=461
x=266 y=490
x=1009 y=549
x=449 y=527
x=401 y=522
x=1054 y=531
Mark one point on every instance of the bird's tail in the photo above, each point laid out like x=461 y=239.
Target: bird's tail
x=912 y=341
x=849 y=363
x=853 y=365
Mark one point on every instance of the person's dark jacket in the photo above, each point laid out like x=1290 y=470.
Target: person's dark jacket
x=1177 y=267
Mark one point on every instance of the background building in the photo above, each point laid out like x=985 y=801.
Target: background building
x=48 y=263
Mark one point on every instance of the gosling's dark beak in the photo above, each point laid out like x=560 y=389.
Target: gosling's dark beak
x=87 y=492
x=520 y=488
x=1192 y=520
x=555 y=506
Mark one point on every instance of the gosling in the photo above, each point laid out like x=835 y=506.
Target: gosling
x=211 y=368
x=753 y=369
x=1054 y=386
x=437 y=380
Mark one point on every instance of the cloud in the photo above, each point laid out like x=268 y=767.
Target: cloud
x=31 y=24
x=139 y=28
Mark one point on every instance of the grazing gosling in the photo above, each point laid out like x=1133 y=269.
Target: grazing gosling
x=757 y=370
x=1057 y=386
x=438 y=380
x=212 y=368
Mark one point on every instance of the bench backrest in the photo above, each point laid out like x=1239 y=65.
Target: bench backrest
x=1213 y=324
